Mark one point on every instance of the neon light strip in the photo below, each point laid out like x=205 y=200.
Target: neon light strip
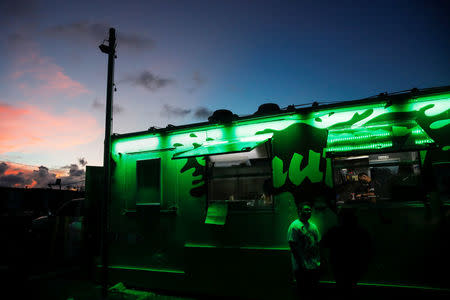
x=425 y=141
x=256 y=138
x=361 y=147
x=369 y=136
x=212 y=143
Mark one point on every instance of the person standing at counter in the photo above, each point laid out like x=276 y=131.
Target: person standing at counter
x=365 y=189
x=303 y=237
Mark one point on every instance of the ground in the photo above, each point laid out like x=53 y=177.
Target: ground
x=72 y=285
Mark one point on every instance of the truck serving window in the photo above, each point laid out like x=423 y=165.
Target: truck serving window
x=378 y=177
x=241 y=179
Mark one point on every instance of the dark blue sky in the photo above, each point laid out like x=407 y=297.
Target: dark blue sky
x=177 y=60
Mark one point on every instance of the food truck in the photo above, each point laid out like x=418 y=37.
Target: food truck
x=204 y=208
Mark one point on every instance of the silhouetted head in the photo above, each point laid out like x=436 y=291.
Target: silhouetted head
x=304 y=211
x=364 y=178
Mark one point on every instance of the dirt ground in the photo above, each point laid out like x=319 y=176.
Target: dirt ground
x=71 y=285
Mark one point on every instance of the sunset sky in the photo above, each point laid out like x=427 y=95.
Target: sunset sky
x=180 y=60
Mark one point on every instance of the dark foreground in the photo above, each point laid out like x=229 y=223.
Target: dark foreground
x=71 y=284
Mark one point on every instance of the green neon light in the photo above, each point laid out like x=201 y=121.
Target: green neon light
x=358 y=138
x=246 y=131
x=344 y=115
x=321 y=119
x=441 y=104
x=252 y=129
x=423 y=141
x=136 y=145
x=257 y=138
x=212 y=143
x=360 y=147
x=228 y=147
x=187 y=139
x=431 y=98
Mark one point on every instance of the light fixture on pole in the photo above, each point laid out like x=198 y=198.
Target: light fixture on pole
x=104 y=216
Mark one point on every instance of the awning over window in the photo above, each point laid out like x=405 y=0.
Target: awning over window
x=222 y=147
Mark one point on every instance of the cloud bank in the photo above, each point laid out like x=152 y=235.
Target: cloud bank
x=24 y=176
x=28 y=127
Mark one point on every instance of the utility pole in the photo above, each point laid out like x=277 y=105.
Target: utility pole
x=111 y=51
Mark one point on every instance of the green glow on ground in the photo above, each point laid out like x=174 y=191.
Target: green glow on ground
x=266 y=248
x=191 y=245
x=143 y=269
x=391 y=285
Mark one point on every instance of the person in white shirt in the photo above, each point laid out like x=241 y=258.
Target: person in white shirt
x=303 y=237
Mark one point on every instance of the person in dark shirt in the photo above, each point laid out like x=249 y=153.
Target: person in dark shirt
x=365 y=189
x=350 y=250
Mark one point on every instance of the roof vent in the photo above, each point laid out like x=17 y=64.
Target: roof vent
x=222 y=116
x=267 y=108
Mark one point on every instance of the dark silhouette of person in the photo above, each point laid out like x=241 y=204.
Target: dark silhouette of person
x=303 y=237
x=350 y=248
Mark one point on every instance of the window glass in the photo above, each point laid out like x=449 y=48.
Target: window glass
x=378 y=177
x=242 y=180
x=148 y=181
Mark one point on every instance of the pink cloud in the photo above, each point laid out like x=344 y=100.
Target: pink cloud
x=26 y=176
x=30 y=129
x=40 y=76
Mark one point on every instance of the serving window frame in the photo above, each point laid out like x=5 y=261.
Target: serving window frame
x=390 y=202
x=269 y=150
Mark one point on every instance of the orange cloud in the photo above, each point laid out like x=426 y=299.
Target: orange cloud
x=40 y=76
x=30 y=129
x=26 y=176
